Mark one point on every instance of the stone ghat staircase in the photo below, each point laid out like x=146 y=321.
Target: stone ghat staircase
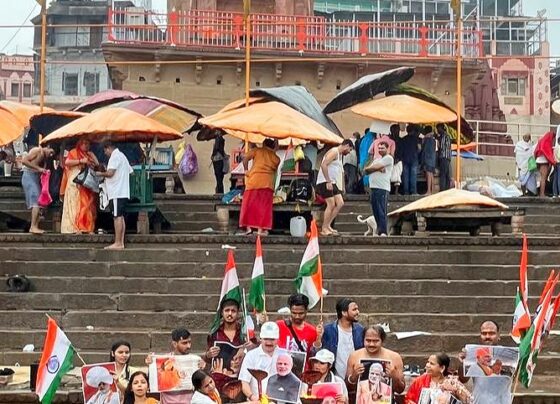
x=443 y=285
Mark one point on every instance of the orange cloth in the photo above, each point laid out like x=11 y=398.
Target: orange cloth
x=261 y=174
x=86 y=215
x=215 y=396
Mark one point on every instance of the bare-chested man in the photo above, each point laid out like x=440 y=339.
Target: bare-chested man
x=374 y=336
x=34 y=164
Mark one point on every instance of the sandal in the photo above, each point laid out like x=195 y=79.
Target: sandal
x=326 y=234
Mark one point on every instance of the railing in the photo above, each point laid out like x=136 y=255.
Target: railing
x=496 y=138
x=218 y=29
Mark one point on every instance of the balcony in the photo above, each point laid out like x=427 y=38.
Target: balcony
x=216 y=31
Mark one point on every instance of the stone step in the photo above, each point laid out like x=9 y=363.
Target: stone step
x=200 y=320
x=547 y=364
x=191 y=215
x=198 y=270
x=188 y=285
x=150 y=340
x=203 y=302
x=474 y=255
x=193 y=225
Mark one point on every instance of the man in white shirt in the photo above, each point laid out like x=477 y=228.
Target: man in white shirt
x=261 y=358
x=380 y=184
x=118 y=189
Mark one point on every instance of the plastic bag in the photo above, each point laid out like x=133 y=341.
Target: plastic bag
x=45 y=196
x=189 y=162
x=532 y=164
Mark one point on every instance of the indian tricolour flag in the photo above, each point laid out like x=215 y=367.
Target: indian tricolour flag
x=256 y=292
x=521 y=315
x=230 y=289
x=309 y=280
x=56 y=360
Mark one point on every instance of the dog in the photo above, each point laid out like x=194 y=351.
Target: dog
x=371 y=224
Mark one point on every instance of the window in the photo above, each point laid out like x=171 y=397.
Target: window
x=70 y=83
x=72 y=37
x=91 y=83
x=27 y=90
x=15 y=90
x=513 y=86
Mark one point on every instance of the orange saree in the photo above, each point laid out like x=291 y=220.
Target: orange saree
x=80 y=206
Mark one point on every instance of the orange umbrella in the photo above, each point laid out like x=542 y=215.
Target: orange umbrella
x=10 y=128
x=22 y=112
x=269 y=119
x=116 y=124
x=404 y=108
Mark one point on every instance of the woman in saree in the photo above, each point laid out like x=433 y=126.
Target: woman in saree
x=80 y=206
x=438 y=383
x=256 y=205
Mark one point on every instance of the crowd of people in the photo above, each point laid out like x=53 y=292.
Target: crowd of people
x=342 y=352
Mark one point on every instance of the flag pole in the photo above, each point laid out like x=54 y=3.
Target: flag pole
x=459 y=95
x=245 y=314
x=43 y=54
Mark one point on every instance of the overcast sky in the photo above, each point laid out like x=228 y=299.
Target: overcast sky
x=19 y=12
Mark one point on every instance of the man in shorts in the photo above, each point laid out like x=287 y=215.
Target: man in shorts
x=117 y=179
x=331 y=170
x=34 y=164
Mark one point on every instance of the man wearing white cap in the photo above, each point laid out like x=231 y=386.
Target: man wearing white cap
x=261 y=358
x=322 y=362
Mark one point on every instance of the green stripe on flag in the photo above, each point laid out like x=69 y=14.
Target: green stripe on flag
x=256 y=294
x=525 y=352
x=308 y=269
x=66 y=365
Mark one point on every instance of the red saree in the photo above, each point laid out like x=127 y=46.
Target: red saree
x=415 y=389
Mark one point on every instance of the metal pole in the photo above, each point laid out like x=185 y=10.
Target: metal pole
x=247 y=68
x=43 y=54
x=459 y=96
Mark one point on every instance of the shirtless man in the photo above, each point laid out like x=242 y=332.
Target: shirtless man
x=374 y=336
x=34 y=164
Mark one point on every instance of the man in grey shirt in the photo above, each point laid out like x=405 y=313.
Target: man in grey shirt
x=489 y=390
x=380 y=184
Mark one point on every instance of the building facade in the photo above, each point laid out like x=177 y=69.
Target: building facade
x=16 y=78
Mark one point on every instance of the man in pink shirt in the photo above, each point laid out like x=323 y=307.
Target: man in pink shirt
x=374 y=149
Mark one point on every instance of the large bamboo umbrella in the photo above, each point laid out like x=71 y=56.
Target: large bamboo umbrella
x=10 y=128
x=22 y=112
x=270 y=119
x=116 y=124
x=404 y=108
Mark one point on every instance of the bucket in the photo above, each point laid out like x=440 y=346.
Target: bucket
x=298 y=226
x=7 y=169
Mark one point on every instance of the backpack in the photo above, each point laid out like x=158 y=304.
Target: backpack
x=300 y=191
x=189 y=162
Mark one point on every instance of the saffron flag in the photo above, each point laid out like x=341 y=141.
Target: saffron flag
x=256 y=291
x=531 y=343
x=309 y=280
x=56 y=361
x=521 y=315
x=230 y=289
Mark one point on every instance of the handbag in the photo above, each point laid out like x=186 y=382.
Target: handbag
x=86 y=178
x=532 y=163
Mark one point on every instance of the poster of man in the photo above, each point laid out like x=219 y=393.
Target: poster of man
x=172 y=372
x=98 y=385
x=487 y=361
x=375 y=386
x=298 y=359
x=284 y=386
x=437 y=396
x=228 y=361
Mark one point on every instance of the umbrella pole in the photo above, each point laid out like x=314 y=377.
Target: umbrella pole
x=459 y=98
x=247 y=68
x=43 y=53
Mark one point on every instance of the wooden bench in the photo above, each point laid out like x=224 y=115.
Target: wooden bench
x=464 y=219
x=228 y=214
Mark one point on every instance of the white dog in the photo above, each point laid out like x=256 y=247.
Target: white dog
x=371 y=224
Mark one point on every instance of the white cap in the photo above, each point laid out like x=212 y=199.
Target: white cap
x=97 y=375
x=324 y=356
x=270 y=330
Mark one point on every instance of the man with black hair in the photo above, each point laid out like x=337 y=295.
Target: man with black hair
x=117 y=179
x=295 y=333
x=444 y=157
x=343 y=336
x=380 y=183
x=373 y=339
x=488 y=390
x=181 y=344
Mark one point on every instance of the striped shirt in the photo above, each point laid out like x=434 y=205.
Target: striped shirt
x=445 y=146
